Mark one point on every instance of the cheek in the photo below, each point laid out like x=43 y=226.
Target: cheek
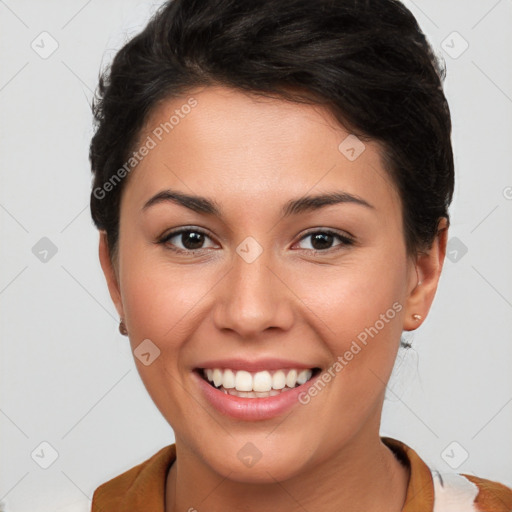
x=350 y=298
x=361 y=309
x=160 y=302
x=159 y=298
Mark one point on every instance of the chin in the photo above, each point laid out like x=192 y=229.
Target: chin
x=258 y=461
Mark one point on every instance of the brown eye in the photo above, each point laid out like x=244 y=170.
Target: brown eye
x=323 y=240
x=190 y=240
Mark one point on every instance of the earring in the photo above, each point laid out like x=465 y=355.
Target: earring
x=417 y=317
x=122 y=328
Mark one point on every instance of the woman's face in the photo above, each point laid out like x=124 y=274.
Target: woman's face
x=259 y=285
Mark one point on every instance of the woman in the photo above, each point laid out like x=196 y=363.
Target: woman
x=271 y=184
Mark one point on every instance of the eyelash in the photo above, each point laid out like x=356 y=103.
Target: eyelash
x=345 y=239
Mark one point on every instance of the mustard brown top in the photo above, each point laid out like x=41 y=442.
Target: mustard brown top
x=142 y=488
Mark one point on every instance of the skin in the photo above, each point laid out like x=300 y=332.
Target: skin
x=251 y=155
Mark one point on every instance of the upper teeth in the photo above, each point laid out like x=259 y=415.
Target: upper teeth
x=242 y=380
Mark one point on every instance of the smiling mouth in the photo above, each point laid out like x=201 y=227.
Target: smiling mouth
x=261 y=384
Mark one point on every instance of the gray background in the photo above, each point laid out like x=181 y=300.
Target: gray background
x=67 y=375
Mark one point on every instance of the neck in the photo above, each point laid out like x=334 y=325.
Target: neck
x=362 y=476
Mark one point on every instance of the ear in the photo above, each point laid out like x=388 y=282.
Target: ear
x=110 y=274
x=425 y=278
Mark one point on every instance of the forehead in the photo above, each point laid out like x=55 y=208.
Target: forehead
x=233 y=144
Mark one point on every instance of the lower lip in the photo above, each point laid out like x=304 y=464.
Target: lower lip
x=252 y=409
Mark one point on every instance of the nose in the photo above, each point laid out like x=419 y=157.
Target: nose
x=253 y=297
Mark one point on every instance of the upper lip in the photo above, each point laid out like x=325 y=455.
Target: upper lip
x=255 y=365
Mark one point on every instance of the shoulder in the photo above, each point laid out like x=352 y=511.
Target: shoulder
x=147 y=479
x=492 y=496
x=434 y=490
x=469 y=493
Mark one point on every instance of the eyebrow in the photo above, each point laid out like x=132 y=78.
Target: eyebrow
x=303 y=204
